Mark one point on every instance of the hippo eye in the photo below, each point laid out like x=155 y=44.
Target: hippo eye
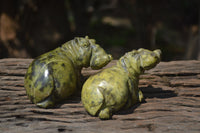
x=85 y=45
x=153 y=54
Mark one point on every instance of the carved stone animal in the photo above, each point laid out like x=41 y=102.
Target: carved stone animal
x=55 y=76
x=117 y=87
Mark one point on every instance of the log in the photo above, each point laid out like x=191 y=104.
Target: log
x=172 y=103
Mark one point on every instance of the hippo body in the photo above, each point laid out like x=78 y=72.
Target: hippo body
x=117 y=87
x=55 y=75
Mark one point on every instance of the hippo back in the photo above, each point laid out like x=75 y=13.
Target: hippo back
x=44 y=76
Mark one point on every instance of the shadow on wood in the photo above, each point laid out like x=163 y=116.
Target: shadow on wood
x=152 y=92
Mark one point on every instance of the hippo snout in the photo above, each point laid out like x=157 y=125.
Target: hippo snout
x=157 y=52
x=100 y=61
x=110 y=57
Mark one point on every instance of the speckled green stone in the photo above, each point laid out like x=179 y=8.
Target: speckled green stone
x=55 y=76
x=117 y=87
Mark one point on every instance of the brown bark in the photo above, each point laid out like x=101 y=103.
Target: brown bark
x=171 y=90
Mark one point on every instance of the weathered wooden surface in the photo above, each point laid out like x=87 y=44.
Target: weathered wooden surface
x=172 y=92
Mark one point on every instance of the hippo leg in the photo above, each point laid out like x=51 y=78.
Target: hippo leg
x=140 y=95
x=105 y=113
x=47 y=103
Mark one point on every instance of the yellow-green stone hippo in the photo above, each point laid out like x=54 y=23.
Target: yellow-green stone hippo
x=54 y=76
x=117 y=87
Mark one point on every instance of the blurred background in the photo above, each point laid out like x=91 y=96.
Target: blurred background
x=29 y=28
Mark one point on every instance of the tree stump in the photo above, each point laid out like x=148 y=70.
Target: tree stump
x=172 y=103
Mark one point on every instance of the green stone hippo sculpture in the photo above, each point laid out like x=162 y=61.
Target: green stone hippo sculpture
x=117 y=87
x=55 y=75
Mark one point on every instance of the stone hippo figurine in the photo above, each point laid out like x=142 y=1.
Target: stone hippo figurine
x=117 y=87
x=54 y=76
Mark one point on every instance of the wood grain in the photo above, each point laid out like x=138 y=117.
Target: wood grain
x=172 y=103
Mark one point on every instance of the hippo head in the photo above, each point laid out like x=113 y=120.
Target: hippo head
x=149 y=59
x=91 y=54
x=140 y=60
x=99 y=57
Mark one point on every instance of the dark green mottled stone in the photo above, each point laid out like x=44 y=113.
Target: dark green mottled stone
x=55 y=76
